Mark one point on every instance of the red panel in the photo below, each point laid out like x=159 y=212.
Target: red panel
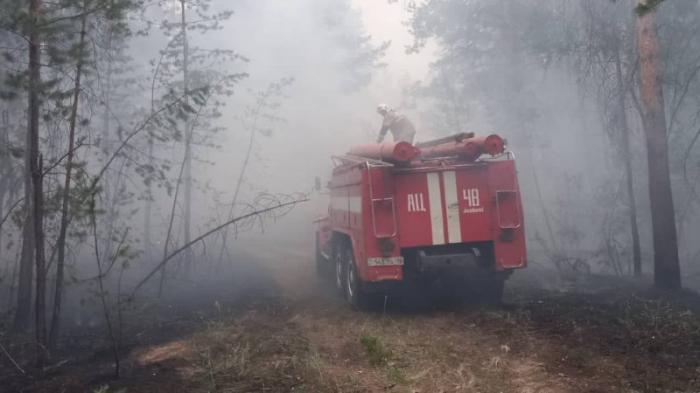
x=508 y=231
x=339 y=215
x=381 y=204
x=511 y=254
x=475 y=203
x=412 y=206
x=380 y=224
x=507 y=211
x=502 y=175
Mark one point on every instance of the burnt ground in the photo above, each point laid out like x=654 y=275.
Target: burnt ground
x=274 y=327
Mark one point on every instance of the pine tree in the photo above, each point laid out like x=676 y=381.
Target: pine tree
x=667 y=274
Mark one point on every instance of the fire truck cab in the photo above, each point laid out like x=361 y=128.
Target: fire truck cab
x=446 y=212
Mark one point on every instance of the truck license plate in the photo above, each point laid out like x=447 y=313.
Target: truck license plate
x=391 y=261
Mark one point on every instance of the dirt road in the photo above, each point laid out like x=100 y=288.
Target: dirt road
x=289 y=332
x=303 y=337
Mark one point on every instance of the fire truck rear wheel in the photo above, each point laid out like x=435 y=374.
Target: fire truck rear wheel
x=353 y=288
x=339 y=268
x=491 y=291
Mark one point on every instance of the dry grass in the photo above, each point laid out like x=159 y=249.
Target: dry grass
x=303 y=338
x=259 y=351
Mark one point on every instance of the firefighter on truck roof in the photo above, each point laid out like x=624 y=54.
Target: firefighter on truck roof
x=401 y=128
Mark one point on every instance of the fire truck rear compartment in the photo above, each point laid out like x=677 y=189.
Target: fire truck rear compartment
x=432 y=221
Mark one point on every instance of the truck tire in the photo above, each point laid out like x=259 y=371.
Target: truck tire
x=339 y=267
x=353 y=288
x=491 y=290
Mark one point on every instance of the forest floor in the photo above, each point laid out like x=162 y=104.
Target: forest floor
x=279 y=328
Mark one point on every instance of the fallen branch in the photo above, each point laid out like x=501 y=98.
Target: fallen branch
x=165 y=260
x=14 y=363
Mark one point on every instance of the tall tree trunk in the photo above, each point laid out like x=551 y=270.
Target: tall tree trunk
x=26 y=273
x=632 y=200
x=109 y=186
x=667 y=273
x=26 y=265
x=40 y=309
x=5 y=172
x=2 y=212
x=188 y=134
x=148 y=205
x=11 y=294
x=627 y=157
x=60 y=263
x=148 y=208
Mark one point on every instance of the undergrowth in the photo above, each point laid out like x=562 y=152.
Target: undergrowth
x=377 y=354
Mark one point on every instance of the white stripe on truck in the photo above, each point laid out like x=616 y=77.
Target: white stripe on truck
x=454 y=228
x=435 y=200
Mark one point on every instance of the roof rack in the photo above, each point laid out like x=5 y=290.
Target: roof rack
x=352 y=159
x=452 y=138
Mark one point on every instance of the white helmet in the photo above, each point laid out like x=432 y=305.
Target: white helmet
x=382 y=109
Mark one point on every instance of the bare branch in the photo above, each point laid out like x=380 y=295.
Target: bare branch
x=14 y=363
x=209 y=233
x=12 y=208
x=131 y=135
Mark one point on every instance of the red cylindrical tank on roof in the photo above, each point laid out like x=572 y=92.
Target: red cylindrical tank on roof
x=466 y=149
x=469 y=149
x=493 y=145
x=398 y=152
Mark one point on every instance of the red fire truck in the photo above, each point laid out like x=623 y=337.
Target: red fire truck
x=445 y=212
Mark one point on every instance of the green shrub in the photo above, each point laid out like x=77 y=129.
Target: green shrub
x=376 y=353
